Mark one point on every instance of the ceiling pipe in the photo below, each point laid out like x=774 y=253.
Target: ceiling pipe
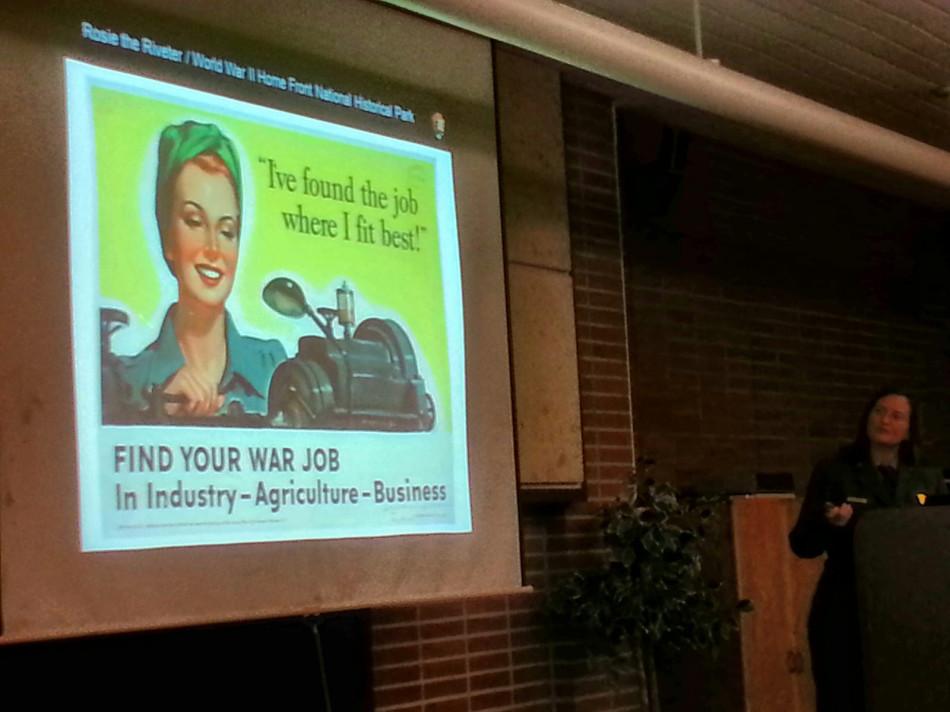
x=590 y=43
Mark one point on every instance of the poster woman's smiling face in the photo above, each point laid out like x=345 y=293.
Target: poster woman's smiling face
x=203 y=231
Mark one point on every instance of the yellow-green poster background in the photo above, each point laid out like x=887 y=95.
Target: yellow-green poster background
x=389 y=282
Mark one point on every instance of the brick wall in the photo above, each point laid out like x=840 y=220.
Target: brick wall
x=766 y=303
x=494 y=653
x=763 y=303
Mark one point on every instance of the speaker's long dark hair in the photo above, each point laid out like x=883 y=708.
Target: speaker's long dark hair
x=860 y=449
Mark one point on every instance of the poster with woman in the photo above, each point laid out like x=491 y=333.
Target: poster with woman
x=267 y=323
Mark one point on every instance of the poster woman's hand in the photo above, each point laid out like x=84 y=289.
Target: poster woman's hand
x=201 y=397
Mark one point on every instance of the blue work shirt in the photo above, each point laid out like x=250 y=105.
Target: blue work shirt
x=247 y=372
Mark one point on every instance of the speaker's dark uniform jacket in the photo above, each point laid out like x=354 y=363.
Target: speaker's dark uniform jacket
x=833 y=632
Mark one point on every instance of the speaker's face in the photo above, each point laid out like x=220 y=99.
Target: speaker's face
x=889 y=421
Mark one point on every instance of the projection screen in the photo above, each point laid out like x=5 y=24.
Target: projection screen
x=255 y=347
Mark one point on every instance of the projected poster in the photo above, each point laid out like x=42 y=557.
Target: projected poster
x=267 y=323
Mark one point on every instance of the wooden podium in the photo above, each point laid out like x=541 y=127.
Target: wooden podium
x=776 y=666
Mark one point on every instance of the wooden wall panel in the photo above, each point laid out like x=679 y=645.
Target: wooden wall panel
x=540 y=285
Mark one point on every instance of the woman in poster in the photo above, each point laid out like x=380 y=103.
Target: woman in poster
x=879 y=469
x=199 y=365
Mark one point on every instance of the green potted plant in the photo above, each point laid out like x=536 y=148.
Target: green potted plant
x=652 y=596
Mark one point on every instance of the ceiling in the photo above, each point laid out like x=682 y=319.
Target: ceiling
x=880 y=60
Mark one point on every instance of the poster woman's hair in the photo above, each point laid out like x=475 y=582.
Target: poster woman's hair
x=181 y=143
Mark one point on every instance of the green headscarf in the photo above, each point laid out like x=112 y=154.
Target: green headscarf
x=178 y=145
